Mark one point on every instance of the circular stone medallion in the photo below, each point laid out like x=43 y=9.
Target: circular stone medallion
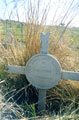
x=43 y=71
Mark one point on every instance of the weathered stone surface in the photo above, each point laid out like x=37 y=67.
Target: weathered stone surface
x=43 y=71
x=16 y=69
x=70 y=75
x=44 y=43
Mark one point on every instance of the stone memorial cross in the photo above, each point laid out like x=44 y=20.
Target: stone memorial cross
x=43 y=71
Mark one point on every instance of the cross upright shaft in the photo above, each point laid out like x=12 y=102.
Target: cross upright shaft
x=44 y=43
x=43 y=50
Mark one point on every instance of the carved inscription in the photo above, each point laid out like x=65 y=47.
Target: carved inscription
x=41 y=71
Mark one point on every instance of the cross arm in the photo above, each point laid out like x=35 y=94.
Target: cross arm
x=70 y=75
x=16 y=69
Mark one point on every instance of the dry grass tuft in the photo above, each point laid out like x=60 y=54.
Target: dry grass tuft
x=9 y=110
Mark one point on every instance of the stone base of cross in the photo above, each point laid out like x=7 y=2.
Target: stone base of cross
x=43 y=71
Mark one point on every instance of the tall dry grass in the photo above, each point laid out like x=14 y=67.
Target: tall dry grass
x=35 y=21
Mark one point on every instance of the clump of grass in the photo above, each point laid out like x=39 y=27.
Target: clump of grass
x=9 y=110
x=65 y=96
x=33 y=26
